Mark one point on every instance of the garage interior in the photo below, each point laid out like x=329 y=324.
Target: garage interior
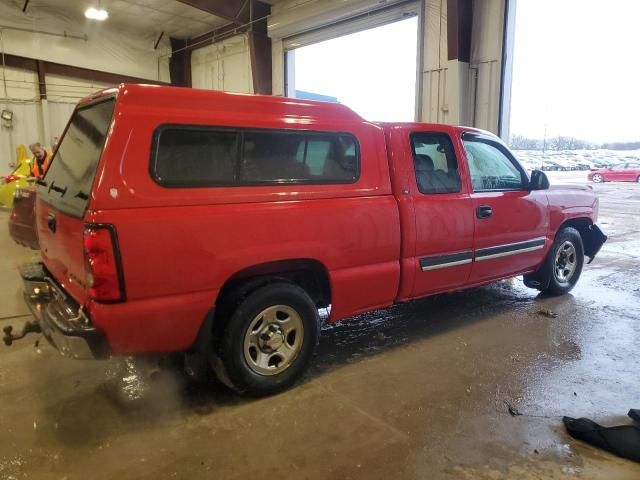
x=471 y=384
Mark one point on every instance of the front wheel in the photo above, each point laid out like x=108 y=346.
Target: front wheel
x=597 y=178
x=562 y=266
x=269 y=339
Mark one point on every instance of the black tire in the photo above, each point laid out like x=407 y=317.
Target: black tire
x=549 y=278
x=238 y=373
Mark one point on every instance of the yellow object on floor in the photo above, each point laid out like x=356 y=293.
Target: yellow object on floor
x=17 y=178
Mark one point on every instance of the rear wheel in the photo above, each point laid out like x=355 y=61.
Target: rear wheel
x=562 y=266
x=269 y=339
x=638 y=179
x=597 y=178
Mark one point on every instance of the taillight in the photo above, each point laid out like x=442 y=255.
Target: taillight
x=102 y=263
x=11 y=178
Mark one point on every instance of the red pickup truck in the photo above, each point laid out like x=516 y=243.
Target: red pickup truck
x=216 y=224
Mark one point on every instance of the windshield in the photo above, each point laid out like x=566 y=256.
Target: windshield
x=67 y=184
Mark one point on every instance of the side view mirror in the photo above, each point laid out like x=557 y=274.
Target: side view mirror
x=539 y=181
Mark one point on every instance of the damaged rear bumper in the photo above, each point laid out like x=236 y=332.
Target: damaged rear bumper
x=63 y=322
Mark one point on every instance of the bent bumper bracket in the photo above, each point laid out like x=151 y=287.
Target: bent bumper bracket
x=58 y=317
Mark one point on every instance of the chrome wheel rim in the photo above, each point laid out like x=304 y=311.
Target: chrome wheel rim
x=273 y=340
x=597 y=178
x=566 y=262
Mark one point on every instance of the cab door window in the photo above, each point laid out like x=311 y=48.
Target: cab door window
x=490 y=166
x=435 y=163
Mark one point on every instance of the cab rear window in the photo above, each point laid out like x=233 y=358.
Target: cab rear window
x=185 y=156
x=67 y=183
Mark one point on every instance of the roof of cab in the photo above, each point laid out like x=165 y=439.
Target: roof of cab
x=212 y=100
x=435 y=126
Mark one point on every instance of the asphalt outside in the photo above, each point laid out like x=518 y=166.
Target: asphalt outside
x=468 y=385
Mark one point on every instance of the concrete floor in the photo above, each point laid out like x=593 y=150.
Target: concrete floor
x=415 y=391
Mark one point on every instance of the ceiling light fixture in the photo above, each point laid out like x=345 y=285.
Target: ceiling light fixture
x=99 y=14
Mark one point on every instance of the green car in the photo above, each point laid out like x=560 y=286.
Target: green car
x=9 y=183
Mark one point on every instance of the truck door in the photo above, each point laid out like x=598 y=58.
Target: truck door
x=442 y=214
x=511 y=222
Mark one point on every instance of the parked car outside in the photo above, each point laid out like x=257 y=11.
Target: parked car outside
x=16 y=179
x=22 y=227
x=570 y=165
x=582 y=165
x=550 y=165
x=217 y=225
x=622 y=172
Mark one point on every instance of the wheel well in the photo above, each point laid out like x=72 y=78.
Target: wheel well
x=580 y=224
x=308 y=274
x=591 y=240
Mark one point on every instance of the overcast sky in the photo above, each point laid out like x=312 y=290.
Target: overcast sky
x=577 y=68
x=373 y=71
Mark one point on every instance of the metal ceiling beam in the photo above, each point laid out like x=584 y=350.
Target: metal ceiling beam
x=53 y=68
x=214 y=36
x=459 y=21
x=235 y=11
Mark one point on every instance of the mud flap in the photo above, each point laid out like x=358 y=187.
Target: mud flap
x=593 y=238
x=539 y=279
x=202 y=363
x=196 y=360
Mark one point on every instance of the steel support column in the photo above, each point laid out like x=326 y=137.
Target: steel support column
x=459 y=20
x=180 y=63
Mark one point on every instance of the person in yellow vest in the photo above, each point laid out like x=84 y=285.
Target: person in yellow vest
x=41 y=160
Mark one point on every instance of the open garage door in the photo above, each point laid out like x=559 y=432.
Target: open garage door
x=368 y=62
x=561 y=109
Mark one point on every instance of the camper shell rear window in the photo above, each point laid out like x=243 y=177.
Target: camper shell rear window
x=68 y=181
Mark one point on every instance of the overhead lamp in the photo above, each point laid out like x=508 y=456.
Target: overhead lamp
x=99 y=14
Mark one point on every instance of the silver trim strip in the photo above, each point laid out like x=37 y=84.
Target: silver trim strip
x=445 y=265
x=511 y=252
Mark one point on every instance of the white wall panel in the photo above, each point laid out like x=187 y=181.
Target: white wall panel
x=224 y=66
x=32 y=123
x=277 y=67
x=486 y=60
x=70 y=90
x=19 y=94
x=106 y=48
x=294 y=17
x=455 y=92
x=59 y=114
